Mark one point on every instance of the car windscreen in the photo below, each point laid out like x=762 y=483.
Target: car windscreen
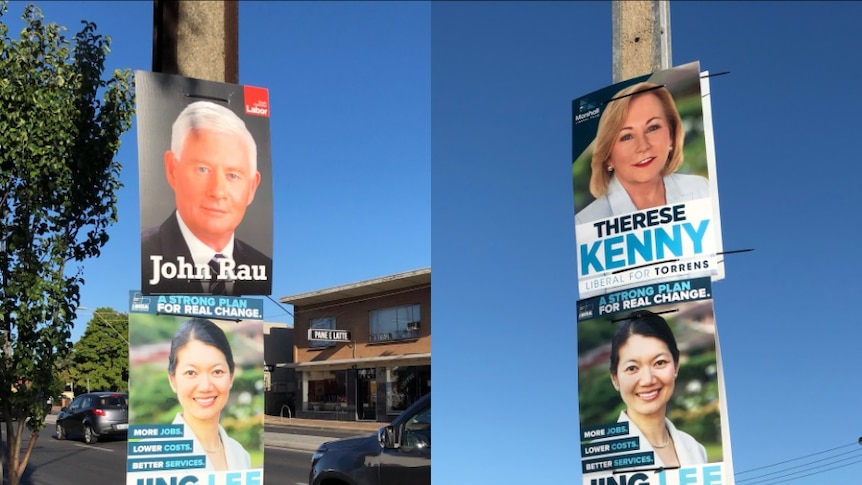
x=113 y=402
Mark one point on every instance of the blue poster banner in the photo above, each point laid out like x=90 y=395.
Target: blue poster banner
x=645 y=296
x=205 y=306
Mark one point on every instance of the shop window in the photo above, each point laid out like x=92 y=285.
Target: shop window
x=326 y=323
x=327 y=391
x=405 y=385
x=396 y=323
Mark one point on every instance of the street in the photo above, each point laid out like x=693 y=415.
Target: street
x=56 y=461
x=286 y=467
x=74 y=462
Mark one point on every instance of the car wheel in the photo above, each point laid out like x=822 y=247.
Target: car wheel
x=89 y=436
x=61 y=433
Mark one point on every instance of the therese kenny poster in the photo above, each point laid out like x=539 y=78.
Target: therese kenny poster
x=651 y=391
x=205 y=167
x=645 y=193
x=195 y=390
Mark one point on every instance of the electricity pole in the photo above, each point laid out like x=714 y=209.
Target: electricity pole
x=197 y=39
x=641 y=37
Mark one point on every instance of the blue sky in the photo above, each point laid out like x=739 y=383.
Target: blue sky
x=364 y=95
x=503 y=77
x=349 y=91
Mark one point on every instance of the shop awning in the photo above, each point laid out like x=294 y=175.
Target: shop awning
x=401 y=360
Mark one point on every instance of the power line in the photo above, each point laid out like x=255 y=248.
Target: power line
x=278 y=303
x=795 y=459
x=770 y=478
x=105 y=321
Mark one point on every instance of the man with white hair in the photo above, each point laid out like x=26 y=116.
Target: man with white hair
x=212 y=168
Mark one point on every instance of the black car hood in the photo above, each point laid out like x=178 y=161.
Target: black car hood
x=359 y=441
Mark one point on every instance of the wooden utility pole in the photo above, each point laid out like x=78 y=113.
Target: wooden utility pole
x=197 y=39
x=641 y=37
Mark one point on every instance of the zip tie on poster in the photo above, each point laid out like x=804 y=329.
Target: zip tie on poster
x=636 y=92
x=713 y=75
x=676 y=260
x=658 y=469
x=672 y=310
x=660 y=86
x=734 y=251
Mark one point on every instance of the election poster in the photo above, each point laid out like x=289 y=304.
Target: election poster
x=643 y=175
x=205 y=168
x=650 y=387
x=196 y=395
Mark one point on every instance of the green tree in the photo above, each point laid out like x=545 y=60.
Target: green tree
x=60 y=127
x=100 y=359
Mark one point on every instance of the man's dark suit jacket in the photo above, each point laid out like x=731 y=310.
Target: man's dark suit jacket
x=167 y=240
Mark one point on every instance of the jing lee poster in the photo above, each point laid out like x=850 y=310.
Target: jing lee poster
x=651 y=389
x=195 y=390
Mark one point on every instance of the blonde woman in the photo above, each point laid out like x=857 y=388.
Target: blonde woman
x=637 y=150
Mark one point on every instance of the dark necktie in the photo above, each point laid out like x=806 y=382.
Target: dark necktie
x=217 y=286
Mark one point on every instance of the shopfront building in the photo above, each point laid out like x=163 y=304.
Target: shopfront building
x=363 y=350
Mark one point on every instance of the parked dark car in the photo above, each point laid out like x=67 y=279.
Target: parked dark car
x=94 y=415
x=398 y=454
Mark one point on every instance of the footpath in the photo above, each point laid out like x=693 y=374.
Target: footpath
x=308 y=434
x=294 y=433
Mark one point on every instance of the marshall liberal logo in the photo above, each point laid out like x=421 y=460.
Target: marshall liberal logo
x=585 y=311
x=140 y=303
x=586 y=111
x=256 y=101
